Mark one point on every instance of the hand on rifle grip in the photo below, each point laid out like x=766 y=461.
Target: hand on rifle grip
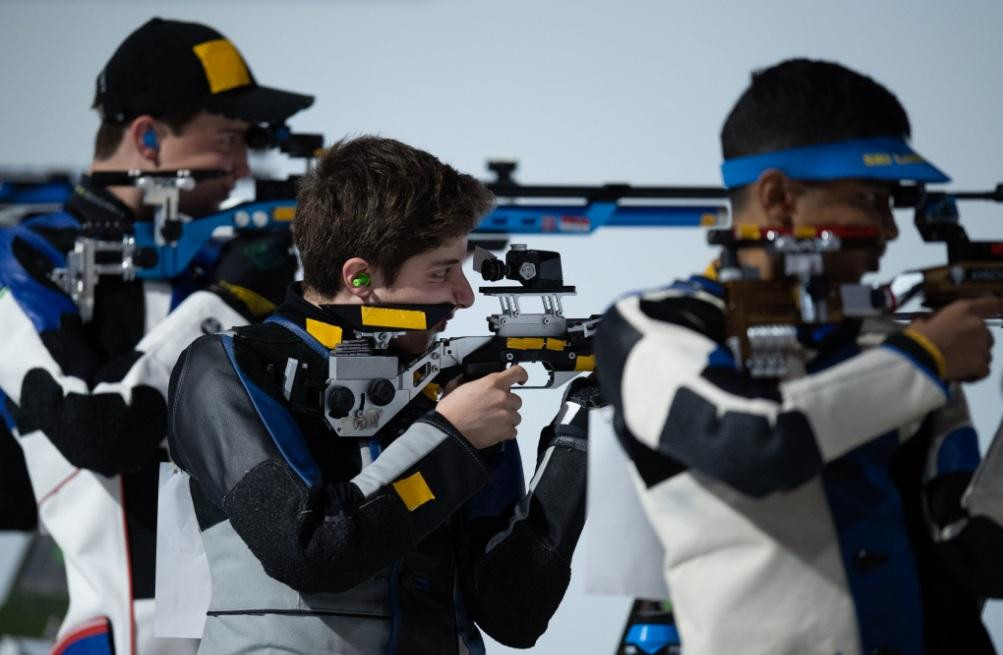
x=485 y=410
x=958 y=330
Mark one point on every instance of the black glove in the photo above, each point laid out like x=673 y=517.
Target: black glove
x=253 y=272
x=585 y=391
x=572 y=419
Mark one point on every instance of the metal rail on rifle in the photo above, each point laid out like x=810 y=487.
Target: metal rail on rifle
x=607 y=205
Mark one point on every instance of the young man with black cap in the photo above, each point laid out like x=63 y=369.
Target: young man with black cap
x=822 y=512
x=87 y=398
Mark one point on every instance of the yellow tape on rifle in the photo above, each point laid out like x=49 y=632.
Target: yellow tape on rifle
x=407 y=319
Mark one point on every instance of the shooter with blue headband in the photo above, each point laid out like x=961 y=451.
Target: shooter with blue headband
x=804 y=146
x=817 y=510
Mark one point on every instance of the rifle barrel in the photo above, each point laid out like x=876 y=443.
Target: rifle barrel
x=995 y=195
x=911 y=316
x=608 y=192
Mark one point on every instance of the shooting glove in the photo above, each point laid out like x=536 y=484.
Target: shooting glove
x=572 y=420
x=253 y=272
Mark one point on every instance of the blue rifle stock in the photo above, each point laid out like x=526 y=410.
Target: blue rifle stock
x=24 y=194
x=167 y=246
x=173 y=258
x=273 y=208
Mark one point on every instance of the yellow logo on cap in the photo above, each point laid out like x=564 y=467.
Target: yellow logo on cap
x=223 y=65
x=877 y=159
x=887 y=159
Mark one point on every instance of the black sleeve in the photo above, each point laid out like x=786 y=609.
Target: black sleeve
x=517 y=547
x=957 y=554
x=107 y=432
x=951 y=475
x=973 y=552
x=230 y=429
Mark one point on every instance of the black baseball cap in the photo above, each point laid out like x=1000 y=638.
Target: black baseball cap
x=169 y=67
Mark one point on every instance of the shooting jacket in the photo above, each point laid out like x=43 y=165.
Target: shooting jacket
x=402 y=543
x=87 y=403
x=822 y=514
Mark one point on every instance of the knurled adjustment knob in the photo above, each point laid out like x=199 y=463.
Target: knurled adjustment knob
x=340 y=401
x=493 y=270
x=381 y=392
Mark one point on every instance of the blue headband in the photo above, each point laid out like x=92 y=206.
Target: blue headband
x=878 y=158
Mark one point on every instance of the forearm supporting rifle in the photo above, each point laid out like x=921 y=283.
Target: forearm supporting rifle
x=369 y=383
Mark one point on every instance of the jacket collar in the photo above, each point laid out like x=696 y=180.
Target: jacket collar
x=319 y=324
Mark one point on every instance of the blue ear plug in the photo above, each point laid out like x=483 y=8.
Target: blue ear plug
x=150 y=139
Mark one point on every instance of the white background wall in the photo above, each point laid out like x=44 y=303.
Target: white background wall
x=580 y=91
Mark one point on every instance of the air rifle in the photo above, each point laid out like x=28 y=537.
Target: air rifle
x=163 y=248
x=369 y=383
x=762 y=317
x=973 y=268
x=531 y=209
